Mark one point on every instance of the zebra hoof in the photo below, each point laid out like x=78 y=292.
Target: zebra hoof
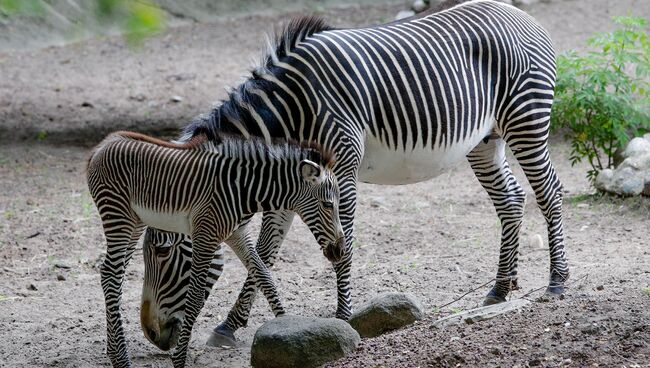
x=493 y=299
x=222 y=336
x=555 y=291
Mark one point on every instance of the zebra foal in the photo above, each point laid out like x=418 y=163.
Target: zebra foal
x=202 y=189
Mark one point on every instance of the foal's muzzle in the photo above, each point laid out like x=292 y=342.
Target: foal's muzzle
x=335 y=251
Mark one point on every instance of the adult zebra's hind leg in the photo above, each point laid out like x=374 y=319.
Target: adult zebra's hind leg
x=489 y=163
x=526 y=132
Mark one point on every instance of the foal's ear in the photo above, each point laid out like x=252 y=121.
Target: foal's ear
x=309 y=170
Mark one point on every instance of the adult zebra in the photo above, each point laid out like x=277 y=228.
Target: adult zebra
x=399 y=103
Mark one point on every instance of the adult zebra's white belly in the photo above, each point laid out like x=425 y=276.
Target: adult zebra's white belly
x=384 y=165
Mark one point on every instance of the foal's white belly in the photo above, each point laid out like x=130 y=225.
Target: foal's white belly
x=175 y=222
x=384 y=165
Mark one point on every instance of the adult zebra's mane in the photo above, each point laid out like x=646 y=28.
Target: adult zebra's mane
x=241 y=98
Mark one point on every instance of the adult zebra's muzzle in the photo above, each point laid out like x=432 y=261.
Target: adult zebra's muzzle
x=335 y=251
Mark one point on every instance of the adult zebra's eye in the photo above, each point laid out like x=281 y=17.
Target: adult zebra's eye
x=162 y=251
x=328 y=205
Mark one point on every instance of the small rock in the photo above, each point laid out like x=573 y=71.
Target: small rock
x=87 y=104
x=600 y=287
x=636 y=147
x=404 y=14
x=419 y=6
x=386 y=312
x=536 y=242
x=523 y=2
x=176 y=99
x=60 y=277
x=295 y=341
x=637 y=162
x=62 y=265
x=32 y=287
x=378 y=202
x=139 y=97
x=626 y=181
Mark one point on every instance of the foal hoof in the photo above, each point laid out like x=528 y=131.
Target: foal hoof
x=222 y=336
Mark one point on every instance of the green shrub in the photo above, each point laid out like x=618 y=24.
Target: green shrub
x=603 y=96
x=137 y=19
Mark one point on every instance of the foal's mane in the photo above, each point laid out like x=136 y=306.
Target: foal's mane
x=194 y=142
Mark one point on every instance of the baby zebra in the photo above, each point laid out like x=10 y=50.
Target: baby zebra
x=203 y=189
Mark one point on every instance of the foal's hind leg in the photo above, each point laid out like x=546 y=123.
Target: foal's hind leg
x=489 y=163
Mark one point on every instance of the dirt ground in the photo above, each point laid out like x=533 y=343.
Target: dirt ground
x=436 y=240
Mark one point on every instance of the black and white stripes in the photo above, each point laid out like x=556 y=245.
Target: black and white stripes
x=203 y=189
x=399 y=103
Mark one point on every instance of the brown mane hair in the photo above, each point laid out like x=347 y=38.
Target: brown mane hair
x=192 y=143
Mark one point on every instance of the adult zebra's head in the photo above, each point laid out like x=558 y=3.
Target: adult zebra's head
x=167 y=259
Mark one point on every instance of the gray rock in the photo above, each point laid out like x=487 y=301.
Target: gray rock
x=386 y=312
x=647 y=137
x=626 y=181
x=419 y=6
x=404 y=14
x=636 y=147
x=636 y=162
x=302 y=342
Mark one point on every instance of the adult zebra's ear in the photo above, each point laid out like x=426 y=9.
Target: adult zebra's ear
x=310 y=171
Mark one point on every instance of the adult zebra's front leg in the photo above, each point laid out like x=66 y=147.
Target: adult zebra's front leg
x=488 y=160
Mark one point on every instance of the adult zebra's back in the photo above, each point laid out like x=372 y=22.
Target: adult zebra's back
x=399 y=103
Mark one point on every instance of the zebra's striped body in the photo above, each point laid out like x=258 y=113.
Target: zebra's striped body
x=204 y=190
x=401 y=102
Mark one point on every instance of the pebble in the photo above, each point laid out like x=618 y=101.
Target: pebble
x=177 y=99
x=60 y=277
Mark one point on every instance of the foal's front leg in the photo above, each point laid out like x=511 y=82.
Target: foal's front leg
x=275 y=225
x=242 y=244
x=120 y=243
x=205 y=244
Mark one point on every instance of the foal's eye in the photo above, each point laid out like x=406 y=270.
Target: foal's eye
x=328 y=205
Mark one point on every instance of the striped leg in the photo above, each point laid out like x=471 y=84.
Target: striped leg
x=530 y=147
x=275 y=226
x=242 y=244
x=204 y=246
x=347 y=206
x=121 y=238
x=489 y=163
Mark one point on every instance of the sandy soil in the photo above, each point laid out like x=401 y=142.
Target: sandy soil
x=436 y=240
